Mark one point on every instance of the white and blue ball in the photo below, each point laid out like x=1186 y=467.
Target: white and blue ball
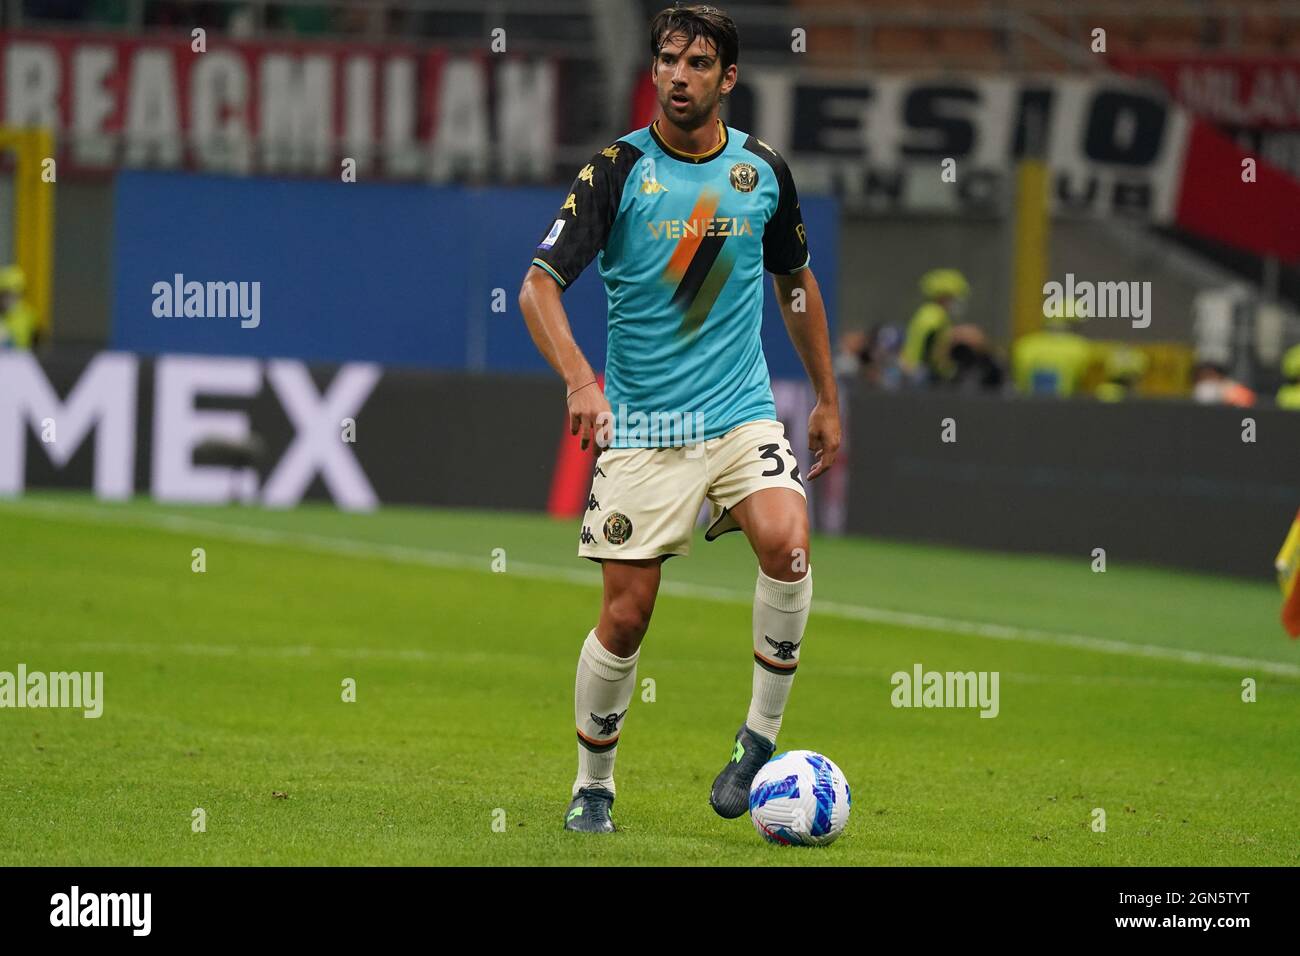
x=799 y=798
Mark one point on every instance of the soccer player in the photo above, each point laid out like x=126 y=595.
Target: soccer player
x=685 y=215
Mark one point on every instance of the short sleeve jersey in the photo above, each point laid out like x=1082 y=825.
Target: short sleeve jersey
x=681 y=241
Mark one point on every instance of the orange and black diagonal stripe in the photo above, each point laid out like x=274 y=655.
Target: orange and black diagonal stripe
x=698 y=268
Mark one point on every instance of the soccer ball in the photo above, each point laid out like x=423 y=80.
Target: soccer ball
x=799 y=798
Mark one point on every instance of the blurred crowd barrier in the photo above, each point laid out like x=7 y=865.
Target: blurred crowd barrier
x=1155 y=482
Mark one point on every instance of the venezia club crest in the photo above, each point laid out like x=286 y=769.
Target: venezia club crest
x=744 y=177
x=618 y=528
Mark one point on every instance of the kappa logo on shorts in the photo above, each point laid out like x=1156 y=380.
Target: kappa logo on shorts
x=599 y=473
x=618 y=528
x=586 y=537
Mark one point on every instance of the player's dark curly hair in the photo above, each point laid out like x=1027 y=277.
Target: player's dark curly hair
x=697 y=20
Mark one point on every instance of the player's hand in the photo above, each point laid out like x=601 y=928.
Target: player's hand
x=823 y=437
x=589 y=413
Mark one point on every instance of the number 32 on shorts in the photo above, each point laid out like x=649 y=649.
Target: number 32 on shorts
x=772 y=452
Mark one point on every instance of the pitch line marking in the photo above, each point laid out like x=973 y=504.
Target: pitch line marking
x=420 y=656
x=350 y=547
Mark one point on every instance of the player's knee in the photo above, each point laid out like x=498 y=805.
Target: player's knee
x=628 y=618
x=785 y=557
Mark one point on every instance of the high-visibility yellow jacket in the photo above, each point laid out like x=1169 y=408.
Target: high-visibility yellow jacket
x=1111 y=392
x=1050 y=362
x=19 y=325
x=928 y=321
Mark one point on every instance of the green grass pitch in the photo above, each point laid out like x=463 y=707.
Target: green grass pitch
x=223 y=691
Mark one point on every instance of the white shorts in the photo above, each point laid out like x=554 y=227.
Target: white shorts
x=644 y=501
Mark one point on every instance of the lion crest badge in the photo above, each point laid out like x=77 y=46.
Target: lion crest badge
x=618 y=528
x=744 y=177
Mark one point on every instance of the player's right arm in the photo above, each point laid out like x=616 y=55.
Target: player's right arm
x=581 y=230
x=548 y=324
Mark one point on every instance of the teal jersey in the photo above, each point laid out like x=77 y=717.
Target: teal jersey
x=681 y=242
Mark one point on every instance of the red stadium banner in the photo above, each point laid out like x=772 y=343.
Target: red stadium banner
x=1252 y=92
x=645 y=102
x=1255 y=100
x=1257 y=213
x=1288 y=578
x=281 y=107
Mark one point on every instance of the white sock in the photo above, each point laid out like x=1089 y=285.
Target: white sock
x=601 y=696
x=780 y=613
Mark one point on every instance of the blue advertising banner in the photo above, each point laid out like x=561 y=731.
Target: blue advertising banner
x=400 y=274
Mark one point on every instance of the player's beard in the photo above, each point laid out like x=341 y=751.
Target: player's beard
x=700 y=112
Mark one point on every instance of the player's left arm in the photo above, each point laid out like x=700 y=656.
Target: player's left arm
x=786 y=256
x=804 y=313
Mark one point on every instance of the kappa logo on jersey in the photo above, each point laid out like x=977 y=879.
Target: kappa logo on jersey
x=649 y=181
x=587 y=175
x=608 y=723
x=599 y=472
x=784 y=649
x=618 y=528
x=552 y=235
x=611 y=152
x=586 y=537
x=571 y=203
x=592 y=503
x=744 y=177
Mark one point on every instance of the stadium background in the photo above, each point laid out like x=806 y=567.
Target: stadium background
x=227 y=165
x=388 y=296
